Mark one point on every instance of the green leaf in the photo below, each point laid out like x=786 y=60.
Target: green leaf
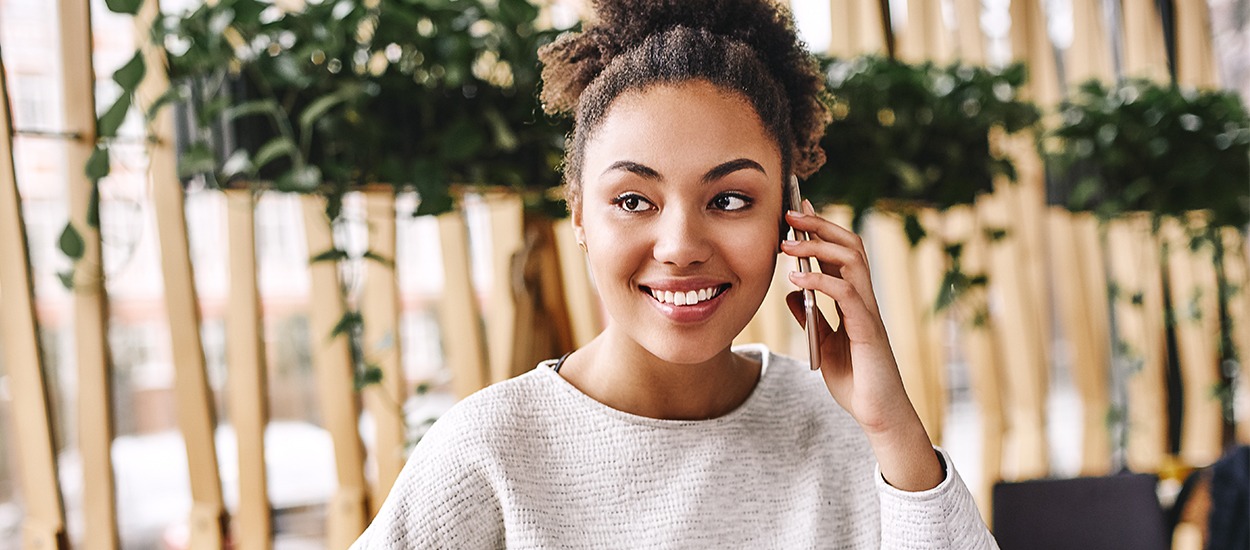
x=254 y=107
x=71 y=243
x=320 y=106
x=66 y=278
x=372 y=374
x=346 y=323
x=277 y=147
x=98 y=164
x=915 y=231
x=434 y=200
x=197 y=159
x=112 y=119
x=93 y=207
x=130 y=74
x=371 y=255
x=172 y=95
x=333 y=254
x=129 y=7
x=300 y=180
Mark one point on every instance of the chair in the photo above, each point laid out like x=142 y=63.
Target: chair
x=1095 y=513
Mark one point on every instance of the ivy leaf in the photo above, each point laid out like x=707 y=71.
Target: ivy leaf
x=196 y=160
x=300 y=180
x=98 y=164
x=275 y=148
x=66 y=278
x=434 y=200
x=130 y=74
x=371 y=255
x=71 y=243
x=333 y=254
x=321 y=106
x=915 y=231
x=372 y=374
x=348 y=321
x=112 y=119
x=128 y=7
x=254 y=107
x=93 y=207
x=172 y=95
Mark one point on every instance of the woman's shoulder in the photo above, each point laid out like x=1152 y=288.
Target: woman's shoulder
x=519 y=400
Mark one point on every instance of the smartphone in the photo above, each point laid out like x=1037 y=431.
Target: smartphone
x=810 y=313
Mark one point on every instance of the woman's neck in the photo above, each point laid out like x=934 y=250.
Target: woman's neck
x=616 y=371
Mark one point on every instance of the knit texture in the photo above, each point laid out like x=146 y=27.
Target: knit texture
x=534 y=463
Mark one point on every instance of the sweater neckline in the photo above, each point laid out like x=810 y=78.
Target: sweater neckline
x=758 y=352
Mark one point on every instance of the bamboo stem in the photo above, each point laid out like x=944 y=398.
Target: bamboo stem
x=44 y=525
x=249 y=387
x=91 y=311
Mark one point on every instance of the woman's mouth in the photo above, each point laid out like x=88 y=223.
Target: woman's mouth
x=685 y=298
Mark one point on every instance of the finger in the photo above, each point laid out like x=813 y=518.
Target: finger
x=860 y=322
x=835 y=348
x=823 y=229
x=835 y=260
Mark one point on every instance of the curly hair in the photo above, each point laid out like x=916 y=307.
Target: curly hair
x=749 y=47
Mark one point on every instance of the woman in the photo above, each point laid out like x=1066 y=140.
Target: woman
x=689 y=116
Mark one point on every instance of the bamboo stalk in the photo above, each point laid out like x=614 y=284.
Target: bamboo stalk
x=44 y=524
x=1135 y=269
x=332 y=364
x=506 y=213
x=970 y=41
x=1079 y=277
x=249 y=388
x=984 y=356
x=95 y=382
x=381 y=311
x=1195 y=303
x=458 y=312
x=1145 y=53
x=1090 y=53
x=1195 y=62
x=925 y=38
x=196 y=417
x=1030 y=44
x=1237 y=269
x=858 y=28
x=900 y=307
x=1026 y=453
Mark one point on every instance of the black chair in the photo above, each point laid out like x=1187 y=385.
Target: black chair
x=1096 y=513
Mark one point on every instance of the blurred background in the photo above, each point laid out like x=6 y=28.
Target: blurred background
x=253 y=248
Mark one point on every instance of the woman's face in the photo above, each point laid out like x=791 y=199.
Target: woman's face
x=681 y=198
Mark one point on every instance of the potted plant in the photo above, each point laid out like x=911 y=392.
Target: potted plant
x=1178 y=160
x=910 y=136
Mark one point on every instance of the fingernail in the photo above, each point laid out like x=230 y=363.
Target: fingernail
x=807 y=206
x=789 y=242
x=795 y=214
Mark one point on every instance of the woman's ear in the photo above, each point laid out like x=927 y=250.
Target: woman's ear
x=579 y=232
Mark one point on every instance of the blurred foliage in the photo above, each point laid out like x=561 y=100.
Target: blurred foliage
x=1143 y=146
x=418 y=94
x=915 y=134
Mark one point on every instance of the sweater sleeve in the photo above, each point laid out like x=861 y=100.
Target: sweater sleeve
x=442 y=498
x=944 y=517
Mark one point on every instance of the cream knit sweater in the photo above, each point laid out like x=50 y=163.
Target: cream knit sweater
x=535 y=463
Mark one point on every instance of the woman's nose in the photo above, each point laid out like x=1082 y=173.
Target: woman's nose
x=681 y=238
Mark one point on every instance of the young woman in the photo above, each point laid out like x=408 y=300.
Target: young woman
x=689 y=117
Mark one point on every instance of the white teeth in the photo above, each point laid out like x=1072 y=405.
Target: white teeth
x=687 y=298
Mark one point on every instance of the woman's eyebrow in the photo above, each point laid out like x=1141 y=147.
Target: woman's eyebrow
x=635 y=168
x=730 y=167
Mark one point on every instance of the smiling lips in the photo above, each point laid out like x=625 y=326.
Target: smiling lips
x=687 y=298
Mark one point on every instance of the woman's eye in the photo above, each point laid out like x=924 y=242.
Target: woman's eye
x=632 y=203
x=730 y=202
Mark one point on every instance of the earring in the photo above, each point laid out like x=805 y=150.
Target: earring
x=583 y=245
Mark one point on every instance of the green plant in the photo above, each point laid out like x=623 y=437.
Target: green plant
x=1143 y=146
x=916 y=134
x=421 y=95
x=909 y=136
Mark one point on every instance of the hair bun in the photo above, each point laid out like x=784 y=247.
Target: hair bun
x=575 y=59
